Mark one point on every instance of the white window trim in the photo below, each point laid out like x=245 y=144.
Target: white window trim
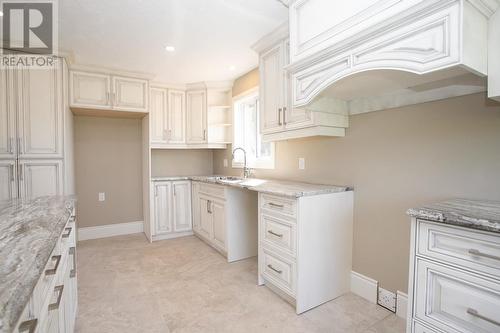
x=259 y=164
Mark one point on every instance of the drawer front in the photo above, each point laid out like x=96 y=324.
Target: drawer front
x=456 y=301
x=279 y=270
x=419 y=328
x=279 y=233
x=213 y=190
x=277 y=204
x=476 y=251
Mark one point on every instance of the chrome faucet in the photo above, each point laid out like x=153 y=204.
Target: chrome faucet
x=246 y=170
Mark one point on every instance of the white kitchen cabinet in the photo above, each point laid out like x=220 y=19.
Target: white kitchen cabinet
x=305 y=247
x=40 y=113
x=182 y=220
x=8 y=180
x=196 y=116
x=8 y=133
x=271 y=89
x=226 y=218
x=493 y=56
x=172 y=209
x=455 y=270
x=195 y=206
x=176 y=117
x=159 y=115
x=40 y=178
x=103 y=91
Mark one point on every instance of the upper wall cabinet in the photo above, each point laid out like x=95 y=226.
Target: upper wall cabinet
x=90 y=90
x=387 y=53
x=494 y=56
x=197 y=116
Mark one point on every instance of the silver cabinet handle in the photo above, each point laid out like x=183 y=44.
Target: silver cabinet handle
x=59 y=290
x=156 y=191
x=170 y=134
x=284 y=116
x=279 y=117
x=66 y=235
x=476 y=314
x=54 y=270
x=12 y=177
x=28 y=326
x=72 y=252
x=275 y=234
x=19 y=146
x=274 y=269
x=107 y=97
x=478 y=253
x=175 y=193
x=11 y=145
x=204 y=135
x=21 y=172
x=276 y=205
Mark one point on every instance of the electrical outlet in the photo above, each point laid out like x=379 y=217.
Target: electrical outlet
x=302 y=163
x=386 y=299
x=226 y=163
x=102 y=196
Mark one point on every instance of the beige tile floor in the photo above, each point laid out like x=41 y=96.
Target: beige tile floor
x=182 y=285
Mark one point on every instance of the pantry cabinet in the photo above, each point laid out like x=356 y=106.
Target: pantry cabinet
x=172 y=209
x=196 y=116
x=89 y=90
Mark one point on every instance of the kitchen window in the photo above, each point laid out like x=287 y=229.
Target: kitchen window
x=260 y=155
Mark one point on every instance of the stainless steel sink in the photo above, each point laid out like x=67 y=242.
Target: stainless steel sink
x=229 y=179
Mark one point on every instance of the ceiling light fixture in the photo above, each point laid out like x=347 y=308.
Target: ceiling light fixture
x=170 y=48
x=1 y=13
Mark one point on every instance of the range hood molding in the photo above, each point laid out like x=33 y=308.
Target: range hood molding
x=433 y=36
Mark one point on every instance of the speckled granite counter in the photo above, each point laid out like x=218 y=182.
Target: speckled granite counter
x=482 y=215
x=29 y=230
x=277 y=187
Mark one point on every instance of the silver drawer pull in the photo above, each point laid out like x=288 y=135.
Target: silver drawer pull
x=274 y=234
x=54 y=270
x=72 y=252
x=478 y=253
x=66 y=235
x=276 y=205
x=59 y=290
x=28 y=326
x=274 y=269
x=476 y=314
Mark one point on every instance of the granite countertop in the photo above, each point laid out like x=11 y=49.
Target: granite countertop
x=29 y=230
x=474 y=214
x=269 y=186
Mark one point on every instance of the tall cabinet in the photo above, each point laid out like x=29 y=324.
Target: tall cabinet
x=35 y=133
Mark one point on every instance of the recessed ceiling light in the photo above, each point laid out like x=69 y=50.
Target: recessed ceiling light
x=1 y=13
x=232 y=68
x=170 y=48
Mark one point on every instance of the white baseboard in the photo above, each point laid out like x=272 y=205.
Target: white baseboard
x=110 y=230
x=401 y=304
x=364 y=286
x=173 y=235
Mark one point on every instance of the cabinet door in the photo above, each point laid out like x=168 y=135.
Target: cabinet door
x=130 y=94
x=163 y=213
x=195 y=206
x=40 y=116
x=176 y=116
x=8 y=133
x=158 y=114
x=271 y=90
x=219 y=221
x=40 y=178
x=197 y=116
x=206 y=221
x=293 y=117
x=8 y=180
x=90 y=90
x=182 y=206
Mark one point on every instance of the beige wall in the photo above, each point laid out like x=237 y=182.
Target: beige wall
x=108 y=159
x=246 y=82
x=397 y=159
x=181 y=162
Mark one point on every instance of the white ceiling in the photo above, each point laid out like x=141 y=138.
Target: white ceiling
x=209 y=35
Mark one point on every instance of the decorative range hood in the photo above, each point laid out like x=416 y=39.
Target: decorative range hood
x=379 y=54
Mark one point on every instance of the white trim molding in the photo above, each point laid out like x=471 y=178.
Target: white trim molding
x=364 y=286
x=110 y=230
x=401 y=304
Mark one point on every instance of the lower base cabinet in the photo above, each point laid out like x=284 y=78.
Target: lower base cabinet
x=226 y=219
x=172 y=209
x=52 y=307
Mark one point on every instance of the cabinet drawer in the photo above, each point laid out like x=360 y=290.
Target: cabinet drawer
x=279 y=270
x=476 y=251
x=213 y=190
x=279 y=233
x=277 y=204
x=455 y=301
